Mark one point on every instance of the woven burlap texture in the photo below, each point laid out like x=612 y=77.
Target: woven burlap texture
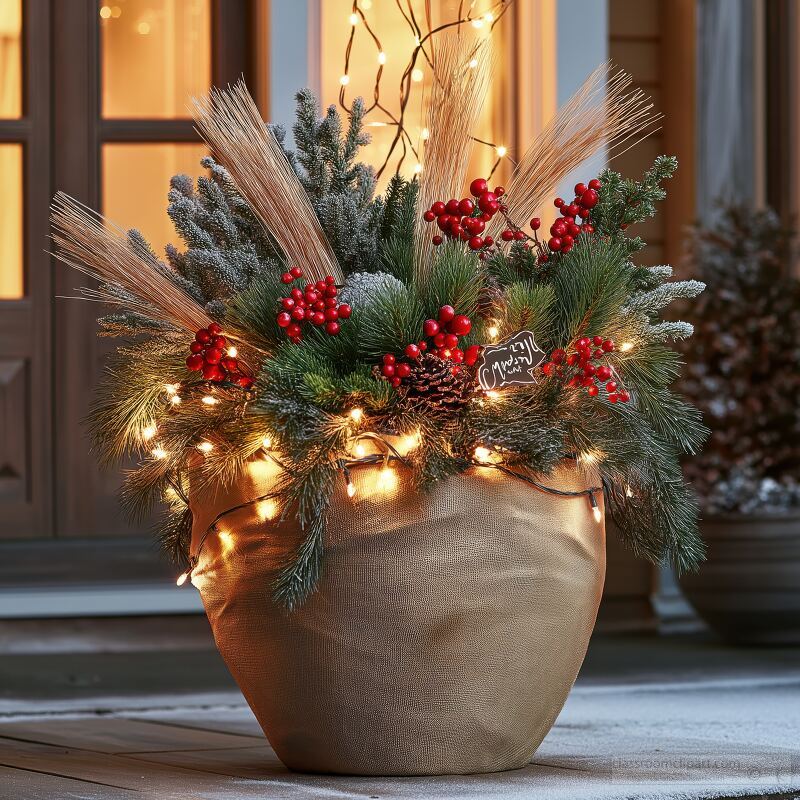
x=446 y=631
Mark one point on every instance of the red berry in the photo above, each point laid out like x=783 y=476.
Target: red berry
x=623 y=396
x=597 y=340
x=344 y=311
x=460 y=325
x=395 y=381
x=202 y=336
x=437 y=240
x=429 y=216
x=196 y=347
x=572 y=209
x=566 y=242
x=499 y=190
x=450 y=340
x=389 y=359
x=558 y=202
x=213 y=372
x=245 y=381
x=536 y=223
x=285 y=319
x=444 y=221
x=297 y=295
x=519 y=236
x=475 y=243
x=611 y=387
x=471 y=354
x=592 y=391
x=589 y=198
x=402 y=370
x=485 y=201
x=287 y=303
x=229 y=364
x=572 y=359
x=594 y=184
x=446 y=313
x=438 y=208
x=387 y=370
x=457 y=355
x=215 y=328
x=580 y=188
x=612 y=398
x=492 y=208
x=588 y=228
x=286 y=277
x=438 y=340
x=466 y=207
x=332 y=328
x=412 y=351
x=331 y=315
x=584 y=213
x=452 y=207
x=557 y=356
x=296 y=272
x=608 y=346
x=507 y=235
x=423 y=346
x=488 y=241
x=548 y=368
x=589 y=369
x=195 y=362
x=298 y=313
x=431 y=327
x=586 y=380
x=317 y=318
x=554 y=243
x=478 y=187
x=604 y=373
x=219 y=342
x=213 y=355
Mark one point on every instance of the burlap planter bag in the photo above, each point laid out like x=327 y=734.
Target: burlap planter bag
x=446 y=631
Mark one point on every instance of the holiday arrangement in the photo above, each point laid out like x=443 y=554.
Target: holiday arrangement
x=453 y=324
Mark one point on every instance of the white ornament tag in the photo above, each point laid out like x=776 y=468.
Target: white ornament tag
x=510 y=363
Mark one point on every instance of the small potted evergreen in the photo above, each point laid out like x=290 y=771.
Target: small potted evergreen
x=743 y=372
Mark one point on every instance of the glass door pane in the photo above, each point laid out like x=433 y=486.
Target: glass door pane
x=136 y=182
x=12 y=283
x=10 y=59
x=156 y=54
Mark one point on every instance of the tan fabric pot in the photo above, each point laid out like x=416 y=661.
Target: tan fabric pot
x=446 y=632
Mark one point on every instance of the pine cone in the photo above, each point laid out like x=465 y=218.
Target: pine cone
x=433 y=387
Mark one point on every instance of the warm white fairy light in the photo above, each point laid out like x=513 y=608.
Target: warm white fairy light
x=628 y=491
x=626 y=346
x=477 y=23
x=232 y=352
x=426 y=134
x=353 y=19
x=418 y=168
x=360 y=451
x=159 y=452
x=501 y=151
x=596 y=513
x=205 y=447
x=148 y=432
x=387 y=479
x=417 y=75
x=473 y=63
x=226 y=541
x=171 y=388
x=493 y=332
x=209 y=400
x=351 y=489
x=344 y=80
x=489 y=17
x=381 y=57
x=493 y=394
x=356 y=414
x=175 y=400
x=483 y=454
x=266 y=509
x=182 y=579
x=408 y=442
x=266 y=443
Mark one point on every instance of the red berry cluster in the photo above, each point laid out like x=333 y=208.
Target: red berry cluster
x=466 y=219
x=209 y=357
x=581 y=365
x=443 y=333
x=316 y=303
x=565 y=230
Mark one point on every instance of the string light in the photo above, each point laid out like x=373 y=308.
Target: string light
x=501 y=151
x=175 y=400
x=233 y=352
x=411 y=74
x=356 y=414
x=626 y=346
x=171 y=388
x=628 y=491
x=351 y=489
x=266 y=443
x=418 y=168
x=209 y=400
x=493 y=332
x=266 y=509
x=598 y=515
x=387 y=479
x=148 y=432
x=205 y=447
x=159 y=453
x=426 y=134
x=493 y=394
x=409 y=442
x=360 y=451
x=182 y=579
x=483 y=454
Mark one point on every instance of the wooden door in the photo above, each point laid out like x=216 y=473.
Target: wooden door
x=93 y=101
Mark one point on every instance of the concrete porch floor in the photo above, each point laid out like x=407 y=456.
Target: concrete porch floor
x=133 y=708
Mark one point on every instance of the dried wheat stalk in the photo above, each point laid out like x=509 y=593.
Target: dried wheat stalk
x=240 y=139
x=461 y=82
x=602 y=113
x=88 y=242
